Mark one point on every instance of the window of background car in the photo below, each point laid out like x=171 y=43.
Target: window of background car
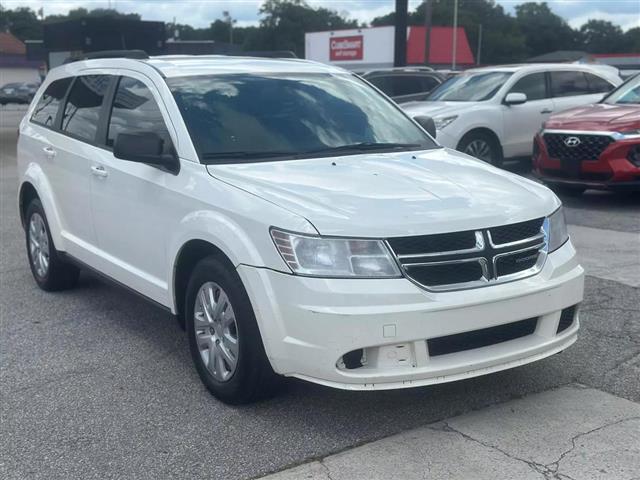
x=47 y=108
x=82 y=110
x=288 y=113
x=406 y=85
x=534 y=86
x=597 y=84
x=567 y=83
x=136 y=111
x=471 y=87
x=627 y=93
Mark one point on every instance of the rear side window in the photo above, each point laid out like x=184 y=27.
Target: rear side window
x=566 y=84
x=533 y=86
x=136 y=111
x=82 y=111
x=47 y=107
x=597 y=84
x=407 y=84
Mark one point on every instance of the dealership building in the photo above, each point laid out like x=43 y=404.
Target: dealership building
x=371 y=48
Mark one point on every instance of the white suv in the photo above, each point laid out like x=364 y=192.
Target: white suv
x=295 y=221
x=493 y=113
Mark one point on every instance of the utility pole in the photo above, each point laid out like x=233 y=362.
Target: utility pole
x=479 y=51
x=428 y=12
x=400 y=44
x=227 y=17
x=455 y=35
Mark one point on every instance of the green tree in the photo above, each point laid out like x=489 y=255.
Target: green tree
x=544 y=31
x=601 y=36
x=21 y=22
x=632 y=40
x=284 y=24
x=81 y=12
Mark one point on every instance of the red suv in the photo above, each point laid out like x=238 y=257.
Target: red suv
x=593 y=146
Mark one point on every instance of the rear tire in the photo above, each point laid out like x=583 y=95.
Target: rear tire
x=49 y=270
x=481 y=146
x=224 y=339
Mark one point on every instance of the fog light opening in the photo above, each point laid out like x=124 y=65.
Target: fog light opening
x=354 y=359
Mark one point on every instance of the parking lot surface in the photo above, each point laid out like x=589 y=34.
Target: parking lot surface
x=97 y=383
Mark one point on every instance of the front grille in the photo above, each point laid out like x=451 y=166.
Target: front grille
x=472 y=258
x=433 y=243
x=566 y=318
x=589 y=147
x=446 y=274
x=516 y=262
x=516 y=231
x=481 y=338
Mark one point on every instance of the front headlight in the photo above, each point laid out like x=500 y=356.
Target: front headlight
x=316 y=256
x=443 y=121
x=555 y=230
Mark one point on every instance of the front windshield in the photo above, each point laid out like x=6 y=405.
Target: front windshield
x=471 y=87
x=627 y=93
x=233 y=117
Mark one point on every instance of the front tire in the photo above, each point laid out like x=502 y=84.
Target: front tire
x=481 y=146
x=49 y=270
x=224 y=339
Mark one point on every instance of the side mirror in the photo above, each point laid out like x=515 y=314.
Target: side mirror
x=515 y=98
x=145 y=148
x=427 y=123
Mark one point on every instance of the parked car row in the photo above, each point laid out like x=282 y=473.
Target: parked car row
x=17 y=93
x=494 y=113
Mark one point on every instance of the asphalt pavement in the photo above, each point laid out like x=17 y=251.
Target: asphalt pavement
x=97 y=383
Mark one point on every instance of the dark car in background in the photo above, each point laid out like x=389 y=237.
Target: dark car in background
x=17 y=92
x=593 y=146
x=405 y=84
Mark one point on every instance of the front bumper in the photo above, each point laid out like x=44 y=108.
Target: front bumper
x=308 y=324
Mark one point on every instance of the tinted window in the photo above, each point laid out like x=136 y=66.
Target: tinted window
x=248 y=116
x=406 y=85
x=47 y=107
x=533 y=86
x=565 y=84
x=136 y=111
x=597 y=84
x=82 y=111
x=383 y=83
x=429 y=83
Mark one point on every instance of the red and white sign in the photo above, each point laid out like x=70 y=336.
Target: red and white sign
x=346 y=48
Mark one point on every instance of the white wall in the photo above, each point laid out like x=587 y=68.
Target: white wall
x=377 y=47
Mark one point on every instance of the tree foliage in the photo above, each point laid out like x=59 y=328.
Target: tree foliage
x=533 y=30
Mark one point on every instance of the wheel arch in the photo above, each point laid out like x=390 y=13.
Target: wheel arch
x=189 y=254
x=26 y=194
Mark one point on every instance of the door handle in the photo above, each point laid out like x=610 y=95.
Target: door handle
x=49 y=152
x=546 y=110
x=99 y=171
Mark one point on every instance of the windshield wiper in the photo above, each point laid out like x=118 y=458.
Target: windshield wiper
x=241 y=154
x=363 y=147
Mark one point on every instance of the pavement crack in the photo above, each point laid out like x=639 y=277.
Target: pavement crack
x=537 y=467
x=321 y=462
x=553 y=466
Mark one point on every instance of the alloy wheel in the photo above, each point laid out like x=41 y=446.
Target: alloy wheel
x=38 y=245
x=480 y=149
x=216 y=331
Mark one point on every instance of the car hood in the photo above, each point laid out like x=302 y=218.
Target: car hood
x=436 y=109
x=393 y=194
x=599 y=116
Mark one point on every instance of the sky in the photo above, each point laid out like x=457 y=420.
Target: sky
x=200 y=13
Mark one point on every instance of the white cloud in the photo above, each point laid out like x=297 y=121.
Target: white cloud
x=625 y=20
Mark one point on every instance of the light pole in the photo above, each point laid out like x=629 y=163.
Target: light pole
x=455 y=35
x=231 y=21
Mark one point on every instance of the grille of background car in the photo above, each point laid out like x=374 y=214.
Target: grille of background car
x=589 y=148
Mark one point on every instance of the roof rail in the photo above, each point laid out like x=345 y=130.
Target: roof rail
x=135 y=54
